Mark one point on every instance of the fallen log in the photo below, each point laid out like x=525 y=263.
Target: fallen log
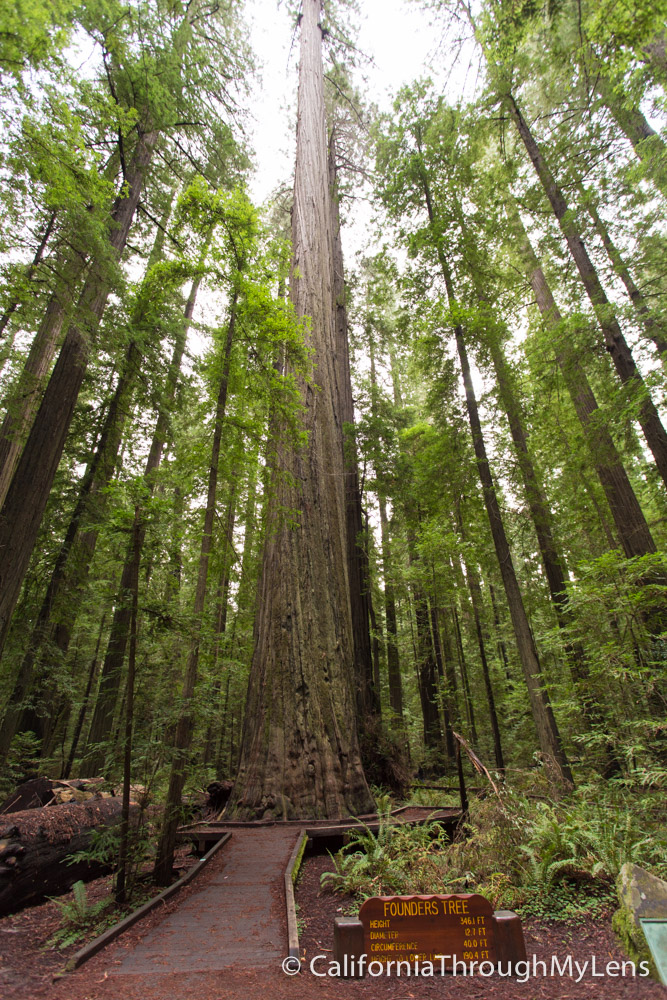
x=32 y=794
x=38 y=792
x=36 y=843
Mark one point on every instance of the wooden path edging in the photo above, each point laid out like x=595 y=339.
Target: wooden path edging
x=291 y=872
x=98 y=943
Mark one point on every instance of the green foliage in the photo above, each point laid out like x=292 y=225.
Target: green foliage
x=519 y=851
x=398 y=859
x=20 y=763
x=78 y=917
x=32 y=31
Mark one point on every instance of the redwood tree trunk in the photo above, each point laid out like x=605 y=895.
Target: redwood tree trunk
x=300 y=754
x=26 y=498
x=185 y=723
x=427 y=678
x=545 y=721
x=368 y=695
x=646 y=142
x=393 y=659
x=615 y=342
x=548 y=735
x=68 y=581
x=23 y=401
x=653 y=327
x=107 y=695
x=628 y=516
x=39 y=253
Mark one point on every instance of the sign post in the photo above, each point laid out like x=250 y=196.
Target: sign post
x=451 y=932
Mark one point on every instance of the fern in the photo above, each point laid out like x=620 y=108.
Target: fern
x=77 y=915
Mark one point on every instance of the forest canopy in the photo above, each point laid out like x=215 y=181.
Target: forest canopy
x=312 y=525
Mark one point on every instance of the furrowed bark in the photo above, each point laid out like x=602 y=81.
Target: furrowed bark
x=368 y=695
x=300 y=753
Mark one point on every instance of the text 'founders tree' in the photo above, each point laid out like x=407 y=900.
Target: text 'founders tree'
x=299 y=755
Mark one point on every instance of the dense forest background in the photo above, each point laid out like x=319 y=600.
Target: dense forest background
x=506 y=453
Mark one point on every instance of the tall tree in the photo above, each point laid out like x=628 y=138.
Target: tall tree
x=27 y=496
x=300 y=754
x=368 y=697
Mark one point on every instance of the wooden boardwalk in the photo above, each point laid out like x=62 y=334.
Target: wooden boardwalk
x=234 y=913
x=228 y=926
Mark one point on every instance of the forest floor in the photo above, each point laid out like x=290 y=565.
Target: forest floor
x=130 y=968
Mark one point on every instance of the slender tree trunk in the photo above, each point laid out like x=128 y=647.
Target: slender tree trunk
x=477 y=602
x=26 y=498
x=70 y=575
x=543 y=716
x=249 y=532
x=221 y=611
x=499 y=637
x=552 y=560
x=222 y=601
x=654 y=329
x=615 y=342
x=223 y=733
x=628 y=516
x=300 y=754
x=123 y=853
x=23 y=401
x=393 y=659
x=185 y=724
x=13 y=717
x=451 y=687
x=427 y=677
x=376 y=635
x=15 y=302
x=545 y=722
x=465 y=684
x=443 y=687
x=646 y=142
x=78 y=728
x=107 y=695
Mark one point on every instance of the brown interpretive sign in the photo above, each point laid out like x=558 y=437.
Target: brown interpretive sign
x=437 y=929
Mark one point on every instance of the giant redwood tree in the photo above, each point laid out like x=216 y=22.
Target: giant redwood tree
x=300 y=755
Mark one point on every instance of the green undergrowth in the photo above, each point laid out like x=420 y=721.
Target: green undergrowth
x=522 y=851
x=82 y=920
